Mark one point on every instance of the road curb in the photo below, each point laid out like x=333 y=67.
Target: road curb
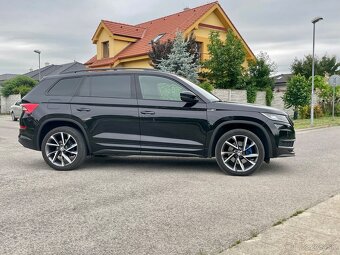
x=315 y=128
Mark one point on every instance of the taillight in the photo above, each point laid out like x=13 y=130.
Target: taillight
x=29 y=108
x=22 y=127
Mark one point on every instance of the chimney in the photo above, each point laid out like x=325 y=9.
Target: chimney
x=186 y=9
x=47 y=64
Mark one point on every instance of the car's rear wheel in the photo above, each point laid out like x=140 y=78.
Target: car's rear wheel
x=13 y=116
x=239 y=152
x=64 y=148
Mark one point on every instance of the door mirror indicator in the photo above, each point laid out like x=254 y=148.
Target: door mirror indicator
x=189 y=97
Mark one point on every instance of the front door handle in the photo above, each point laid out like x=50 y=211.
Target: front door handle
x=148 y=112
x=83 y=109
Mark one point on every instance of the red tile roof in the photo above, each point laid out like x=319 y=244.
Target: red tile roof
x=124 y=29
x=147 y=31
x=91 y=60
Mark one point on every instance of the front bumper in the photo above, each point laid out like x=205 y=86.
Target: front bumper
x=286 y=151
x=285 y=140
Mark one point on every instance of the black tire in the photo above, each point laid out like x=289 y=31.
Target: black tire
x=243 y=164
x=13 y=117
x=78 y=143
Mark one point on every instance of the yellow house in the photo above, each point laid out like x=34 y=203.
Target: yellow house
x=123 y=45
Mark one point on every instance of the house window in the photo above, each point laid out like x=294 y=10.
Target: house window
x=106 y=52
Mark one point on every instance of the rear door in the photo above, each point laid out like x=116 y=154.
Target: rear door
x=107 y=106
x=168 y=125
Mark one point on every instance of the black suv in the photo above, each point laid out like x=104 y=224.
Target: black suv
x=147 y=112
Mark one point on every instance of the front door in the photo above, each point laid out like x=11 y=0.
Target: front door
x=168 y=125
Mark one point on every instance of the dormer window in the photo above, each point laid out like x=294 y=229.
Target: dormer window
x=106 y=52
x=157 y=38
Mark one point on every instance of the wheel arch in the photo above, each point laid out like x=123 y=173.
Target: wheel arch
x=49 y=124
x=254 y=127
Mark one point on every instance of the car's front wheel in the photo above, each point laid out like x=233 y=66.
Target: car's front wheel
x=239 y=152
x=64 y=148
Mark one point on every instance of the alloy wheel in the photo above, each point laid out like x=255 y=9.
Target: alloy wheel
x=61 y=149
x=239 y=153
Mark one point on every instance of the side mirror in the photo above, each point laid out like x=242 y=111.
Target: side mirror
x=189 y=97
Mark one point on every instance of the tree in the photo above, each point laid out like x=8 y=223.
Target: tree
x=258 y=76
x=324 y=92
x=323 y=66
x=193 y=48
x=297 y=94
x=180 y=61
x=224 y=68
x=328 y=65
x=159 y=50
x=18 y=85
x=259 y=71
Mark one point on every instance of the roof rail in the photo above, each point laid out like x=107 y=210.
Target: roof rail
x=110 y=69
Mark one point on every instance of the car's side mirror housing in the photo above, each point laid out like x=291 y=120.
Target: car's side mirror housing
x=188 y=97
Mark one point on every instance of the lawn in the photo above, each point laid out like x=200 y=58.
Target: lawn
x=320 y=122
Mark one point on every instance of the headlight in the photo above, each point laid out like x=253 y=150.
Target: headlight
x=276 y=117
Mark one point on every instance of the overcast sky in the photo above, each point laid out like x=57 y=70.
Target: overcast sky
x=62 y=29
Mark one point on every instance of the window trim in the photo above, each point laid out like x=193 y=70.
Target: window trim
x=139 y=90
x=132 y=86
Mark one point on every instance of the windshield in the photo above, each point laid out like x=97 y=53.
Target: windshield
x=205 y=93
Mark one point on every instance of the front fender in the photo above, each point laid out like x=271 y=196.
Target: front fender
x=224 y=123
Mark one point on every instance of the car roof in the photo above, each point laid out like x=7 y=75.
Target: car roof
x=108 y=71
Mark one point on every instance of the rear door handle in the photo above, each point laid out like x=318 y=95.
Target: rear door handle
x=83 y=109
x=148 y=112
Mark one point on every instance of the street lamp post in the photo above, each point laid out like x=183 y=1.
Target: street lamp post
x=314 y=21
x=38 y=52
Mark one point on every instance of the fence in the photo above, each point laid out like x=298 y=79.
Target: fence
x=7 y=102
x=240 y=96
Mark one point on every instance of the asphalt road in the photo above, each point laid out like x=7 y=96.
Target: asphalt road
x=153 y=205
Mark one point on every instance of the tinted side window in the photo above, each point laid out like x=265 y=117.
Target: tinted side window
x=65 y=87
x=117 y=86
x=159 y=88
x=85 y=88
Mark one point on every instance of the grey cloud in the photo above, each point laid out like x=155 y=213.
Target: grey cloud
x=62 y=29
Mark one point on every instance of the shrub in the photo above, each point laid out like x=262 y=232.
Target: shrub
x=18 y=85
x=206 y=86
x=269 y=96
x=337 y=109
x=305 y=112
x=251 y=94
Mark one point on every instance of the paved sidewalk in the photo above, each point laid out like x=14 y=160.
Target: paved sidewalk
x=315 y=231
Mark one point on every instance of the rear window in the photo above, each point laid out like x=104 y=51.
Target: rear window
x=117 y=86
x=65 y=87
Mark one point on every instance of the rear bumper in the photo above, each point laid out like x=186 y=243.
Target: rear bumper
x=26 y=142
